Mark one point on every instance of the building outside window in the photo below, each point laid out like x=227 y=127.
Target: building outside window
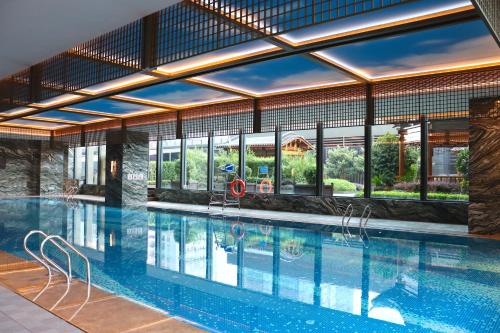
x=196 y=164
x=80 y=157
x=396 y=161
x=260 y=156
x=343 y=161
x=152 y=164
x=71 y=163
x=298 y=162
x=92 y=165
x=226 y=151
x=448 y=161
x=171 y=164
x=102 y=166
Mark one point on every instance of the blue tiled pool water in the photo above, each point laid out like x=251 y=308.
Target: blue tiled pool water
x=233 y=275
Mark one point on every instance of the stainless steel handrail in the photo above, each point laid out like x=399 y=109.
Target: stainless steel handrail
x=365 y=216
x=46 y=263
x=66 y=274
x=347 y=214
x=87 y=262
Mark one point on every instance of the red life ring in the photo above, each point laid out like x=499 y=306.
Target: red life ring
x=232 y=188
x=241 y=230
x=268 y=183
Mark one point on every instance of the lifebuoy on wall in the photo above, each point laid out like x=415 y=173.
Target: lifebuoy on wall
x=232 y=188
x=262 y=187
x=237 y=230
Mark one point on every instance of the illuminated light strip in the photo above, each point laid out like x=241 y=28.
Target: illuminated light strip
x=381 y=25
x=20 y=132
x=429 y=115
x=172 y=69
x=226 y=88
x=57 y=100
x=449 y=69
x=340 y=64
x=149 y=102
x=35 y=126
x=89 y=112
x=278 y=92
x=142 y=101
x=62 y=121
x=118 y=84
x=22 y=110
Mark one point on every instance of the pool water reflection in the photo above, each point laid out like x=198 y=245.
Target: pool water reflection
x=240 y=276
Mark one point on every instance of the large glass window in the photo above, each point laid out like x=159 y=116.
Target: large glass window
x=396 y=161
x=80 y=155
x=298 y=162
x=102 y=166
x=259 y=168
x=71 y=163
x=226 y=151
x=92 y=165
x=171 y=164
x=152 y=164
x=343 y=164
x=448 y=160
x=196 y=164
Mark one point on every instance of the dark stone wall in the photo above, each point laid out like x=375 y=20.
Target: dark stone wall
x=51 y=169
x=88 y=189
x=428 y=211
x=484 y=166
x=19 y=167
x=128 y=185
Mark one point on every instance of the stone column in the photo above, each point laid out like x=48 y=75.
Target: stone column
x=484 y=166
x=127 y=155
x=51 y=168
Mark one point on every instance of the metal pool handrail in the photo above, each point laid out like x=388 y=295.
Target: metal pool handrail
x=46 y=263
x=66 y=274
x=87 y=263
x=365 y=216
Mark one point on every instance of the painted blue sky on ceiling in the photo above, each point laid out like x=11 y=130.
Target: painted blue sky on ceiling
x=451 y=45
x=288 y=73
x=385 y=15
x=110 y=106
x=179 y=93
x=61 y=115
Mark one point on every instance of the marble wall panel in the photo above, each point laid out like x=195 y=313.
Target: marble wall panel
x=51 y=169
x=484 y=166
x=19 y=167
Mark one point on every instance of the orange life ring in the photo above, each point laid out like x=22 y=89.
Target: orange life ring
x=241 y=230
x=232 y=188
x=268 y=183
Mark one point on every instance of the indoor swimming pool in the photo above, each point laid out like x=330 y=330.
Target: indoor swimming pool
x=227 y=274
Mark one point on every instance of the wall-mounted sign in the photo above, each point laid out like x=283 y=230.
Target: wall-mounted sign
x=263 y=169
x=136 y=176
x=228 y=168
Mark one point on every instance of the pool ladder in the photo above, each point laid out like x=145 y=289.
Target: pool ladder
x=363 y=221
x=51 y=265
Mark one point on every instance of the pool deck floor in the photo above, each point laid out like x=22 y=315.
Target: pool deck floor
x=316 y=219
x=22 y=280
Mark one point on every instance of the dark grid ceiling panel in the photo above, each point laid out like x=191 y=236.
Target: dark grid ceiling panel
x=15 y=91
x=438 y=97
x=159 y=127
x=221 y=119
x=110 y=56
x=491 y=10
x=11 y=133
x=334 y=107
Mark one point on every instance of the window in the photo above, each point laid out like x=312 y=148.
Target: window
x=92 y=165
x=259 y=162
x=344 y=161
x=80 y=155
x=71 y=163
x=448 y=165
x=152 y=164
x=196 y=164
x=171 y=164
x=298 y=162
x=102 y=160
x=226 y=151
x=396 y=161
